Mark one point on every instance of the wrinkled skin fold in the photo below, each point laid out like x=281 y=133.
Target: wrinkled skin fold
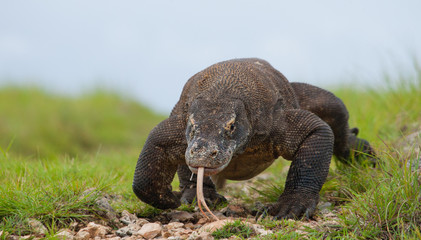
x=233 y=120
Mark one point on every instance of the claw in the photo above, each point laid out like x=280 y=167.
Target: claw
x=261 y=213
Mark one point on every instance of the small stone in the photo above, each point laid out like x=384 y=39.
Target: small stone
x=324 y=207
x=234 y=211
x=134 y=227
x=200 y=236
x=124 y=231
x=260 y=230
x=37 y=226
x=131 y=238
x=185 y=231
x=189 y=225
x=173 y=225
x=150 y=230
x=26 y=237
x=114 y=238
x=128 y=218
x=82 y=235
x=197 y=226
x=174 y=238
x=73 y=225
x=65 y=234
x=105 y=206
x=193 y=236
x=202 y=221
x=141 y=221
x=92 y=230
x=166 y=234
x=181 y=216
x=213 y=226
x=129 y=230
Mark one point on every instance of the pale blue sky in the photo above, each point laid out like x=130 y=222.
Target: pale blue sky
x=148 y=49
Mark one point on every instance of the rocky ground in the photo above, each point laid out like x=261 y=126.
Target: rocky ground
x=170 y=225
x=178 y=224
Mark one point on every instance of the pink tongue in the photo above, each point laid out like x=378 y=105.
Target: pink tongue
x=199 y=193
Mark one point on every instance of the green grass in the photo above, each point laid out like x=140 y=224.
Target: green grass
x=236 y=228
x=55 y=149
x=52 y=191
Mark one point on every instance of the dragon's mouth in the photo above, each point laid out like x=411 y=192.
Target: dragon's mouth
x=209 y=171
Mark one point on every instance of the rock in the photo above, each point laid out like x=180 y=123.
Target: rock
x=189 y=225
x=73 y=226
x=129 y=230
x=114 y=238
x=82 y=235
x=234 y=211
x=131 y=238
x=150 y=230
x=185 y=231
x=174 y=238
x=128 y=218
x=174 y=225
x=141 y=221
x=200 y=236
x=65 y=234
x=26 y=237
x=91 y=231
x=124 y=231
x=202 y=221
x=37 y=226
x=105 y=206
x=324 y=207
x=260 y=230
x=180 y=216
x=102 y=203
x=166 y=234
x=213 y=226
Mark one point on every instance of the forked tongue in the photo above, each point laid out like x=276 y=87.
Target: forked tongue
x=199 y=193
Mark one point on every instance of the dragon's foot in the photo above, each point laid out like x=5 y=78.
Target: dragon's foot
x=292 y=206
x=361 y=148
x=212 y=198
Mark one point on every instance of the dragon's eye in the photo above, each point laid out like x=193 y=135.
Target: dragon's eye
x=232 y=127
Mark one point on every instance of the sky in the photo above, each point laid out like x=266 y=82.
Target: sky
x=147 y=50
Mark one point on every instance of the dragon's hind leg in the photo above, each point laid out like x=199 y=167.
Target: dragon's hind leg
x=333 y=111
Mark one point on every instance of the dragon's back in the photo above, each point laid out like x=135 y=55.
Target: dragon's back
x=253 y=81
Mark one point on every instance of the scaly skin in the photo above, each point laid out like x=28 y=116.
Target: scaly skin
x=234 y=119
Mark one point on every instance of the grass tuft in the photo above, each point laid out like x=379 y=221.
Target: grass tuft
x=236 y=228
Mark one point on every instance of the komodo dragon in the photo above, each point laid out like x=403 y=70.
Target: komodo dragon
x=234 y=119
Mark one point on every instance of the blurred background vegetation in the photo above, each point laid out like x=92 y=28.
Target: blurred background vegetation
x=37 y=123
x=41 y=124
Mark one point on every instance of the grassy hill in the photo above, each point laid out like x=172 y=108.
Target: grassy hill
x=55 y=148
x=37 y=123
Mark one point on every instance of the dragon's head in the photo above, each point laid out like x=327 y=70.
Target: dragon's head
x=215 y=131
